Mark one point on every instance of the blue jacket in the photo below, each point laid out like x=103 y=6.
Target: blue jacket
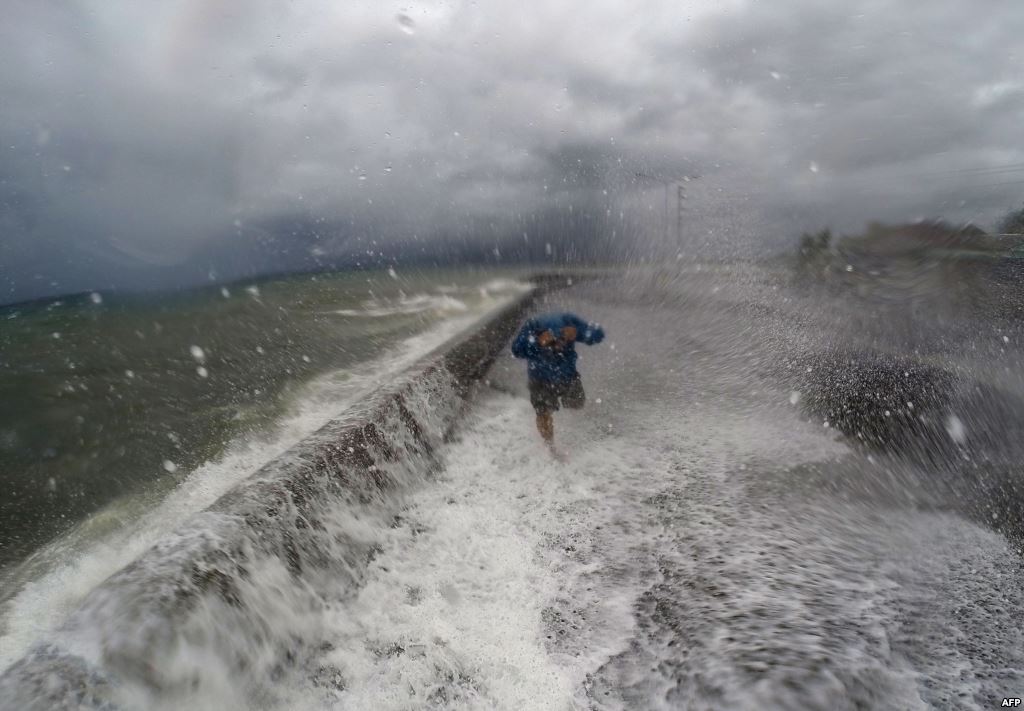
x=551 y=365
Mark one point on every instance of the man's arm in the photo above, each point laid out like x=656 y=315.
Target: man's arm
x=589 y=333
x=525 y=344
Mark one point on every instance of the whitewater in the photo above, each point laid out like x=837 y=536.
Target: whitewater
x=710 y=543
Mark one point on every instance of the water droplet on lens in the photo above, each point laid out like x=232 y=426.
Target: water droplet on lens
x=406 y=24
x=955 y=428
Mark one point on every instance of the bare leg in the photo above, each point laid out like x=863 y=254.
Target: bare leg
x=546 y=427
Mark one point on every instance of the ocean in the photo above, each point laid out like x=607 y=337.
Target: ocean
x=120 y=414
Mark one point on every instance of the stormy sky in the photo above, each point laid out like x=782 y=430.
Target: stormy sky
x=149 y=144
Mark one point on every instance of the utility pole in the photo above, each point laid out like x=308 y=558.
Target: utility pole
x=667 y=183
x=665 y=213
x=680 y=196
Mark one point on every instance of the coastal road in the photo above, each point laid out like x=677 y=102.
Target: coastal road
x=707 y=545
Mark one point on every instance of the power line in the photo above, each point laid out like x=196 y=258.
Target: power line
x=1008 y=168
x=992 y=185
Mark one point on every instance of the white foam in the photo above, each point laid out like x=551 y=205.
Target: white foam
x=461 y=604
x=406 y=305
x=469 y=598
x=451 y=609
x=442 y=303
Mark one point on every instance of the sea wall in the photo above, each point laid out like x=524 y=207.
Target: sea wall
x=233 y=598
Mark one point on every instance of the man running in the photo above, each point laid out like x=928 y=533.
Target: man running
x=548 y=343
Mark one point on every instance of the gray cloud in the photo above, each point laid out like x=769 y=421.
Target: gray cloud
x=150 y=143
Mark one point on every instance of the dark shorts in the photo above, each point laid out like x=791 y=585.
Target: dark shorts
x=545 y=397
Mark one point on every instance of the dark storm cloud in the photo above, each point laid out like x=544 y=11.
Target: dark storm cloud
x=150 y=144
x=886 y=101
